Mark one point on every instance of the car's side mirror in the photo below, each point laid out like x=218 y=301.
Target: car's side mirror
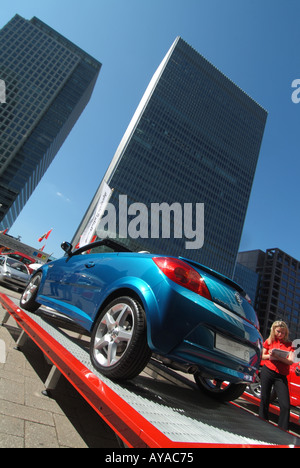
x=67 y=247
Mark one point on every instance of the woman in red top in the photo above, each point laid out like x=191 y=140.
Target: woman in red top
x=274 y=372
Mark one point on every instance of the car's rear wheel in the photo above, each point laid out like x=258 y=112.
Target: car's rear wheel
x=221 y=391
x=119 y=348
x=28 y=298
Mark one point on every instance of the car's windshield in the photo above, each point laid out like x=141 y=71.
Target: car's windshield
x=22 y=259
x=101 y=249
x=16 y=265
x=103 y=246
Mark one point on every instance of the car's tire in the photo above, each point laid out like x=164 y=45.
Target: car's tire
x=28 y=298
x=119 y=348
x=214 y=388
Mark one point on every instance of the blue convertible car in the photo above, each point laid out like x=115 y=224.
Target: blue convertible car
x=138 y=304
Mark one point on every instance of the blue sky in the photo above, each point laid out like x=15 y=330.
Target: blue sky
x=255 y=43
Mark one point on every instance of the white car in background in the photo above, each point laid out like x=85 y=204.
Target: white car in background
x=13 y=272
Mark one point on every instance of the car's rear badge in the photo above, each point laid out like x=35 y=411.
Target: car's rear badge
x=238 y=298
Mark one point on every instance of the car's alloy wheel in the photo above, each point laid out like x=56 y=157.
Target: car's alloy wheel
x=255 y=389
x=221 y=391
x=28 y=298
x=119 y=346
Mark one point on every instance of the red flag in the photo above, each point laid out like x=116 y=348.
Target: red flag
x=45 y=236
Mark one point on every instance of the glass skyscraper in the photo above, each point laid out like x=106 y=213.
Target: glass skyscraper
x=48 y=82
x=278 y=292
x=194 y=139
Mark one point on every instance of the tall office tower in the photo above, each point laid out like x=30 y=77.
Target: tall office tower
x=194 y=139
x=278 y=292
x=48 y=82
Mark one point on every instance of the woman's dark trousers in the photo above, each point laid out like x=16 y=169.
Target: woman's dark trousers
x=268 y=379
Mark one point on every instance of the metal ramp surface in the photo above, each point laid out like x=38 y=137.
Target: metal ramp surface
x=146 y=412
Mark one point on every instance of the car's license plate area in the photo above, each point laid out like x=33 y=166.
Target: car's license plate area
x=232 y=347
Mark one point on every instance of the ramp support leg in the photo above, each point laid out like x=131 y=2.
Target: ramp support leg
x=5 y=318
x=21 y=340
x=51 y=381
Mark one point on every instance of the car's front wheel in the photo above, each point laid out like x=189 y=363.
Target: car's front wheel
x=119 y=348
x=28 y=298
x=221 y=391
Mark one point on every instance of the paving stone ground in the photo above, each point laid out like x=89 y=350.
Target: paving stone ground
x=29 y=419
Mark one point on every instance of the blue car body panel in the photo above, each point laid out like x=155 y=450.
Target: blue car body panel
x=181 y=324
x=72 y=286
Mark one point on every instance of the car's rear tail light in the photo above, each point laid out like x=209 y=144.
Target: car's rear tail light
x=183 y=274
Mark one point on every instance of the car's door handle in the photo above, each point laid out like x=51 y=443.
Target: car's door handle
x=90 y=265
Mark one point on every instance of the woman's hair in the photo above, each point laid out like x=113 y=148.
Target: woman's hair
x=279 y=324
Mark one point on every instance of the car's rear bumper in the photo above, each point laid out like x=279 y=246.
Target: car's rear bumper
x=213 y=363
x=192 y=330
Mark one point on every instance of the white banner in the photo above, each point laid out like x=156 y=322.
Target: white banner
x=97 y=215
